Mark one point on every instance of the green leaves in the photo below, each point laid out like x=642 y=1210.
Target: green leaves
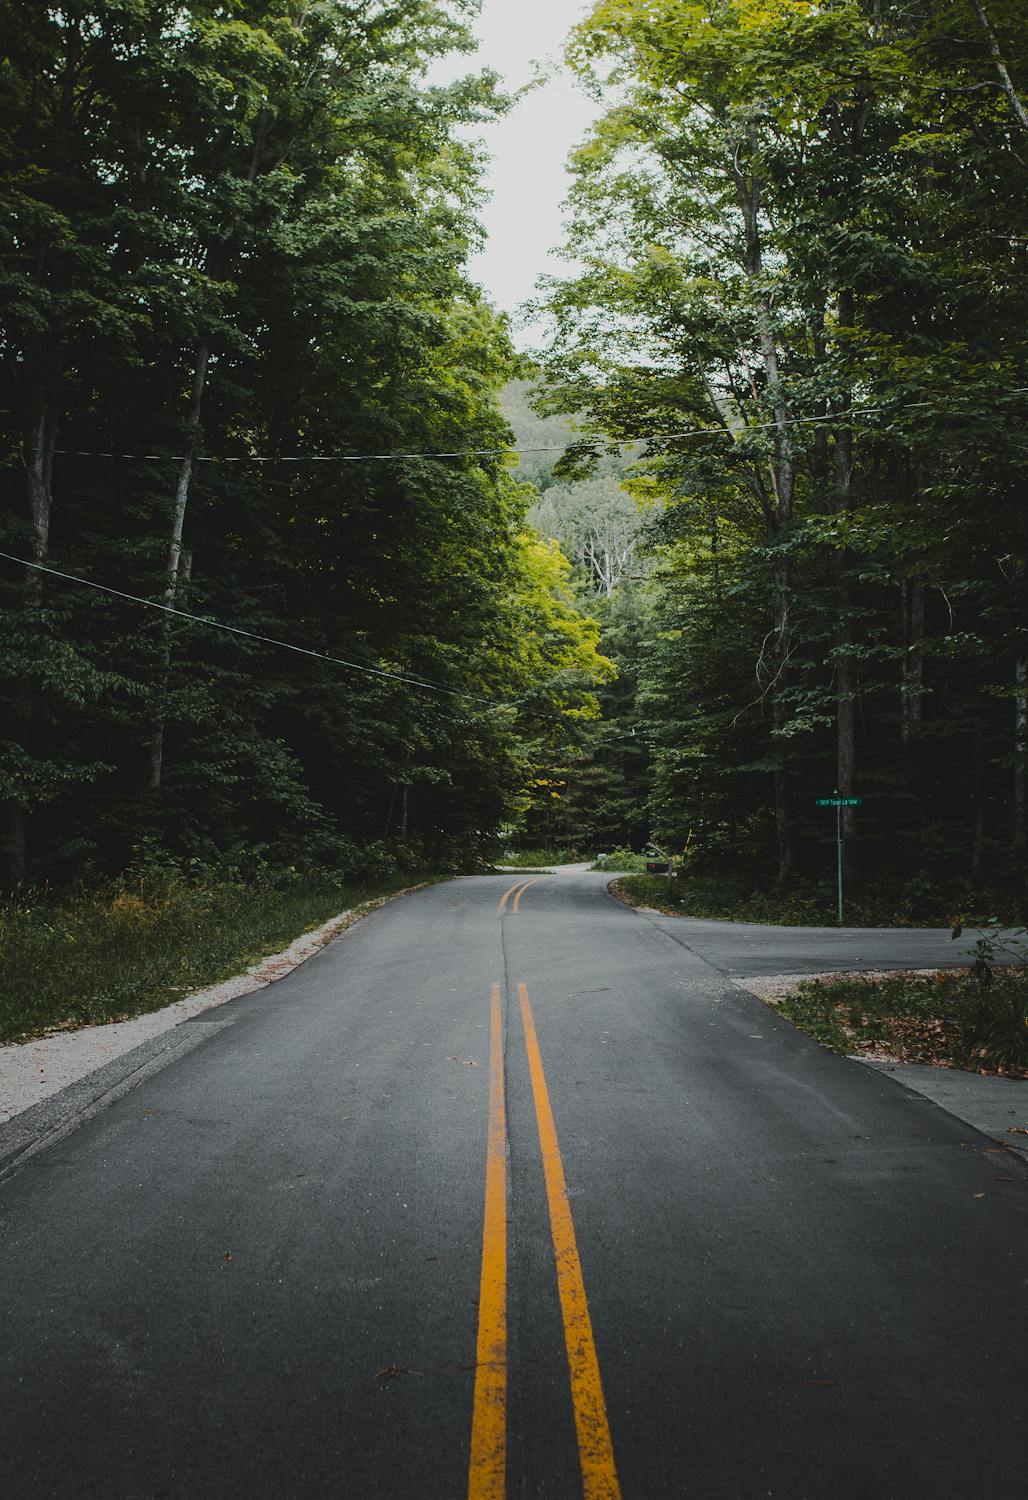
x=796 y=224
x=268 y=191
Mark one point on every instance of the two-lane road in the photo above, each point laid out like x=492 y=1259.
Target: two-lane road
x=515 y=1197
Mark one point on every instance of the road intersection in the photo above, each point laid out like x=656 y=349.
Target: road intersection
x=512 y=1191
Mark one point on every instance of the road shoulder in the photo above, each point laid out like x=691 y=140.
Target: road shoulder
x=767 y=962
x=35 y=1071
x=994 y=1106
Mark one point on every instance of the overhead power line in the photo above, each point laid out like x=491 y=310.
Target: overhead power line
x=582 y=442
x=420 y=684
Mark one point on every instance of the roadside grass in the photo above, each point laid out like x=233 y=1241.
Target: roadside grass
x=107 y=954
x=950 y=1019
x=733 y=897
x=621 y=861
x=534 y=859
x=718 y=899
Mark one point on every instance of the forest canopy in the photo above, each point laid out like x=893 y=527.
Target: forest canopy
x=234 y=264
x=767 y=538
x=803 y=233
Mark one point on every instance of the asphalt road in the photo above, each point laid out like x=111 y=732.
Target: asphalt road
x=533 y=1203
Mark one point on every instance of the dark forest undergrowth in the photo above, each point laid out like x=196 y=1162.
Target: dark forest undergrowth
x=735 y=896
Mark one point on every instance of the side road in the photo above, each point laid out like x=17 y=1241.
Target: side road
x=761 y=959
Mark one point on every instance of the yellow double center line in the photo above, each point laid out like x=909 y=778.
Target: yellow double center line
x=517 y=891
x=488 y=1470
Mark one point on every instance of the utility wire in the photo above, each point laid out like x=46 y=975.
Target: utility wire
x=583 y=442
x=339 y=661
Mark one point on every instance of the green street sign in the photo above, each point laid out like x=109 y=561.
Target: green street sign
x=838 y=802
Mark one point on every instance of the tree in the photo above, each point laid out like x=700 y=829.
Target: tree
x=237 y=256
x=797 y=224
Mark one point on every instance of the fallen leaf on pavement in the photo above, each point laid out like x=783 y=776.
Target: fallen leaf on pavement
x=391 y=1371
x=1017 y=1130
x=463 y=1060
x=978 y=1195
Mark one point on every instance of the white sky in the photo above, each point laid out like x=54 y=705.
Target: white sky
x=528 y=148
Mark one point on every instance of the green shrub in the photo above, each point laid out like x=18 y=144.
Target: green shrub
x=737 y=896
x=533 y=859
x=997 y=1028
x=947 y=1018
x=621 y=860
x=711 y=897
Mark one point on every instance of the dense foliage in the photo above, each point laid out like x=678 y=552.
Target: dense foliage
x=591 y=781
x=237 y=326
x=804 y=239
x=948 y=1019
x=234 y=238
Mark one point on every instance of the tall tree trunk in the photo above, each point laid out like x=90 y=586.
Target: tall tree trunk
x=43 y=360
x=845 y=661
x=819 y=435
x=217 y=256
x=39 y=469
x=747 y=188
x=389 y=814
x=783 y=800
x=978 y=783
x=155 y=749
x=39 y=464
x=912 y=698
x=1003 y=72
x=1020 y=835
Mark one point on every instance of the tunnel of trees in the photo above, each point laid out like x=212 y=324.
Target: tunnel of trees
x=770 y=542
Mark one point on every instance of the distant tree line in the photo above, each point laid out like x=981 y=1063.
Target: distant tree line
x=235 y=237
x=591 y=783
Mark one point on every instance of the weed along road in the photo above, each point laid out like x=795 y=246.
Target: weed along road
x=510 y=1192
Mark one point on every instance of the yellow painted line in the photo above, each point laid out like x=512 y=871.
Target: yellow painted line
x=487 y=1475
x=515 y=887
x=596 y=1454
x=524 y=888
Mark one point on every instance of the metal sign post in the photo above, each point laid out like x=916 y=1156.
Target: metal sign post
x=838 y=803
